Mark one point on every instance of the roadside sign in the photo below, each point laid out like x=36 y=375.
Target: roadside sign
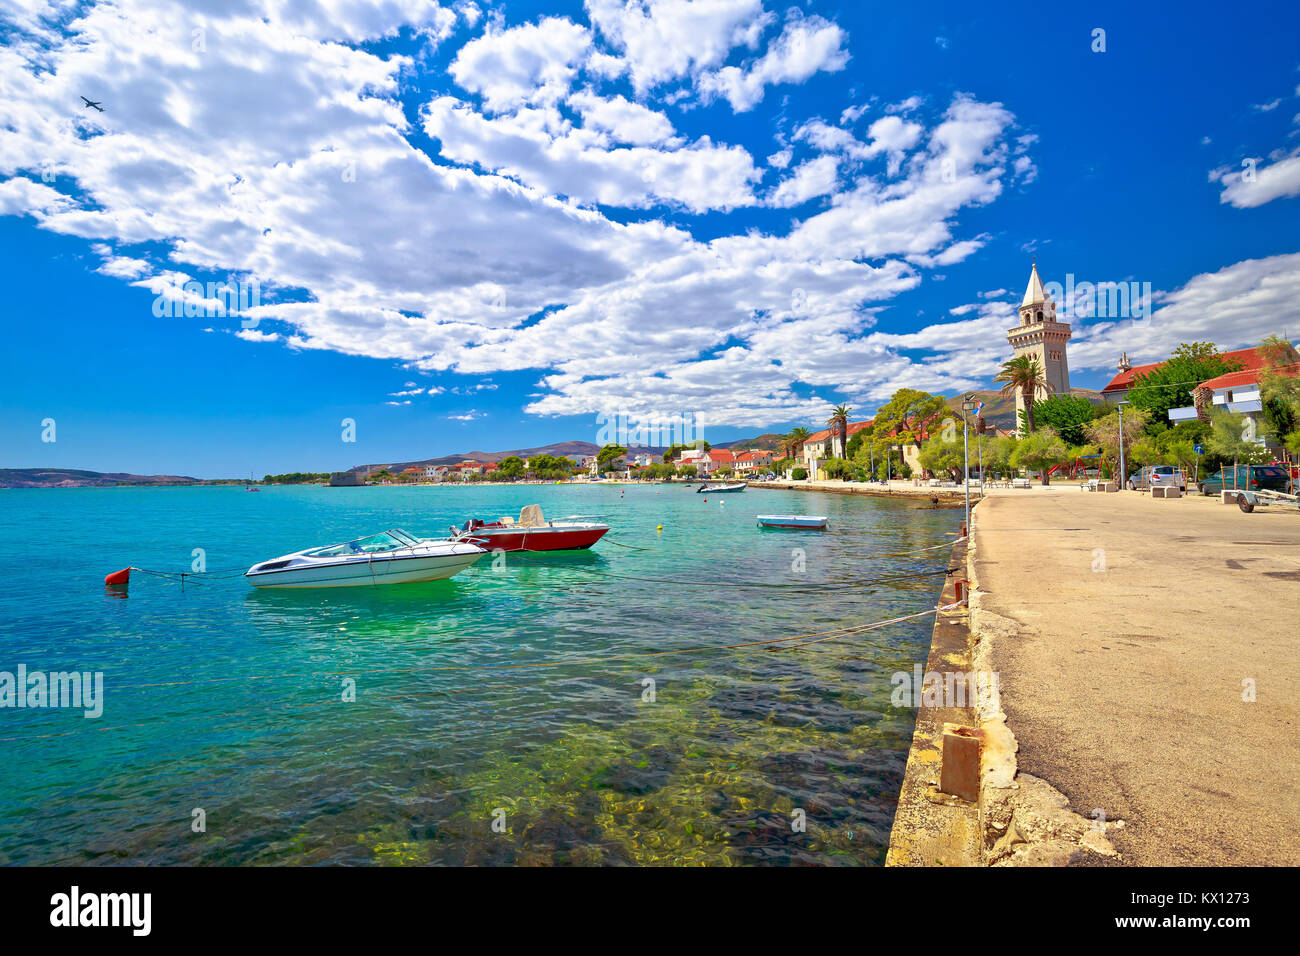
x=1199 y=450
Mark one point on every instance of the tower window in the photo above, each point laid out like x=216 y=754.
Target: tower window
x=1040 y=316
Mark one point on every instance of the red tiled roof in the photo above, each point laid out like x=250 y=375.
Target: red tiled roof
x=1244 y=377
x=1249 y=359
x=825 y=433
x=721 y=455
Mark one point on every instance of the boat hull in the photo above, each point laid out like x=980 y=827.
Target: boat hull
x=538 y=539
x=800 y=522
x=380 y=571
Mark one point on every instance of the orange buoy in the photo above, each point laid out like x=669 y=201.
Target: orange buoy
x=119 y=577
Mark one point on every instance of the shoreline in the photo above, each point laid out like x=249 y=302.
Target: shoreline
x=936 y=497
x=1077 y=762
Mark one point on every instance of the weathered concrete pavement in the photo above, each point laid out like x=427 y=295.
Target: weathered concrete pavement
x=1131 y=625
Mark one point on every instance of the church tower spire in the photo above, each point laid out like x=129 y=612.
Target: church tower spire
x=1042 y=337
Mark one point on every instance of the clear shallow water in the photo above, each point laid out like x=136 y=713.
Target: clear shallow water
x=227 y=699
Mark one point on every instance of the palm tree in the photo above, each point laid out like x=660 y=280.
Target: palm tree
x=839 y=422
x=797 y=437
x=1023 y=374
x=1201 y=400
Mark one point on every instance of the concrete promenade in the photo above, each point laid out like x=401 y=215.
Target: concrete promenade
x=1125 y=632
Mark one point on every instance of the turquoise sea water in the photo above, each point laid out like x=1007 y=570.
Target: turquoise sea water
x=228 y=700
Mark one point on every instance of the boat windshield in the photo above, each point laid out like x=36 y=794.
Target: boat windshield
x=374 y=544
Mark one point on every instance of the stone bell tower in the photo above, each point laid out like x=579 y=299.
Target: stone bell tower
x=1039 y=335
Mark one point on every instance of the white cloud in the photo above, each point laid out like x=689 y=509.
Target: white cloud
x=889 y=136
x=541 y=149
x=1267 y=107
x=1235 y=307
x=816 y=177
x=534 y=63
x=623 y=120
x=253 y=335
x=1255 y=185
x=480 y=260
x=806 y=46
x=781 y=159
x=663 y=40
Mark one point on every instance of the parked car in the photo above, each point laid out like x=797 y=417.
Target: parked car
x=1166 y=476
x=1250 y=477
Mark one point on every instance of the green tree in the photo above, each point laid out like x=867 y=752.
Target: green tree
x=797 y=438
x=1105 y=434
x=1233 y=437
x=1170 y=385
x=903 y=420
x=837 y=468
x=688 y=471
x=997 y=454
x=1025 y=376
x=1067 y=414
x=511 y=467
x=1039 y=451
x=609 y=458
x=938 y=455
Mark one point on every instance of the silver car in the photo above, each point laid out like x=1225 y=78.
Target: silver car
x=1166 y=476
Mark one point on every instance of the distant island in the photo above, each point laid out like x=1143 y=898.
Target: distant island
x=78 y=478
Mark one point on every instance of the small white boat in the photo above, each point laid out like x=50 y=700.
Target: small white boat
x=390 y=557
x=814 y=522
x=722 y=489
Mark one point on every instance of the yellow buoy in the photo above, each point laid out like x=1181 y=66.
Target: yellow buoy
x=659 y=527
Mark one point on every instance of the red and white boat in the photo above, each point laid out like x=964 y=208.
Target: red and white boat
x=532 y=532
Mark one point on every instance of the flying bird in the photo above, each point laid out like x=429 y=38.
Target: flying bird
x=94 y=103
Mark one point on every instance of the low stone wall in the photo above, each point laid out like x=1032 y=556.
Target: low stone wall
x=933 y=828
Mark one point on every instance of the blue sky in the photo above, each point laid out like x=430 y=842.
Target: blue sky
x=477 y=227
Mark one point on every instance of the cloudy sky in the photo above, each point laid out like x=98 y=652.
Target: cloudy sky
x=477 y=226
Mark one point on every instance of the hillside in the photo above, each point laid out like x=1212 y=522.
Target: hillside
x=78 y=478
x=769 y=441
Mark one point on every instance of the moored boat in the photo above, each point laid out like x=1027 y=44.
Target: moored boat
x=813 y=522
x=723 y=489
x=389 y=557
x=532 y=532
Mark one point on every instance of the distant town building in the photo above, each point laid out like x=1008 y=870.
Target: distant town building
x=751 y=461
x=345 y=479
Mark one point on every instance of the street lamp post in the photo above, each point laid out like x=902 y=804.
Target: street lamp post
x=966 y=406
x=1123 y=472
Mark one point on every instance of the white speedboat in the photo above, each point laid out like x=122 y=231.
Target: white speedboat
x=390 y=557
x=722 y=489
